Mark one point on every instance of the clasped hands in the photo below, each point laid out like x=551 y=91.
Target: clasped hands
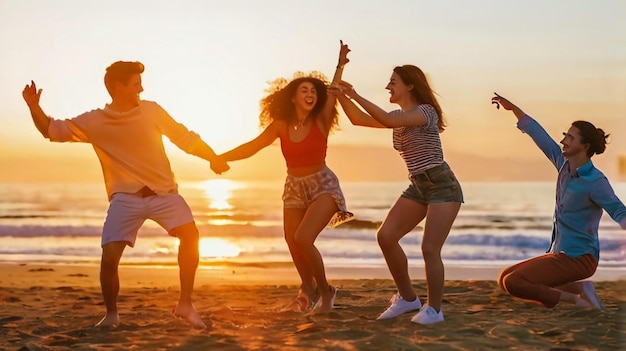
x=219 y=165
x=342 y=88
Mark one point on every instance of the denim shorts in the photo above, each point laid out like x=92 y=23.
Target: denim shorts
x=434 y=185
x=300 y=192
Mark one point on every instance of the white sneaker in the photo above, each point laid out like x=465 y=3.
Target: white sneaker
x=428 y=315
x=400 y=306
x=589 y=293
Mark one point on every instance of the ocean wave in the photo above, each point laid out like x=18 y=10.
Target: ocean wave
x=517 y=241
x=25 y=216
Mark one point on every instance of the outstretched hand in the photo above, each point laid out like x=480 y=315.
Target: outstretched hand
x=500 y=101
x=343 y=54
x=31 y=95
x=219 y=165
x=342 y=88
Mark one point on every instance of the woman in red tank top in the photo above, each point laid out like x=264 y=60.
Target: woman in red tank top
x=301 y=114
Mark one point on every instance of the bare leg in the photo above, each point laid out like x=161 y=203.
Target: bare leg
x=110 y=281
x=188 y=257
x=438 y=223
x=315 y=219
x=401 y=219
x=292 y=217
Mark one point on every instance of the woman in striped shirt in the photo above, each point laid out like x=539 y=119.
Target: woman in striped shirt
x=434 y=193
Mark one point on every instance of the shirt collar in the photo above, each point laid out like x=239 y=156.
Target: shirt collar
x=585 y=169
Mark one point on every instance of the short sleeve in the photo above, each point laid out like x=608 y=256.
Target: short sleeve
x=432 y=119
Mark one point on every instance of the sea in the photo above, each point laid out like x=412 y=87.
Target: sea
x=240 y=223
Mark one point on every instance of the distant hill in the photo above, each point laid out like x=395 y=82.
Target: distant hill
x=72 y=163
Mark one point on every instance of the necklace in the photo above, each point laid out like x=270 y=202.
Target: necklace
x=299 y=124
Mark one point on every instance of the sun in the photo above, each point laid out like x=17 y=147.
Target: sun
x=218 y=248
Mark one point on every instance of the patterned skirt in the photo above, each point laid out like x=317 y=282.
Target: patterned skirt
x=300 y=192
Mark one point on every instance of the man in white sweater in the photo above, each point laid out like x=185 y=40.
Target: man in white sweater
x=127 y=138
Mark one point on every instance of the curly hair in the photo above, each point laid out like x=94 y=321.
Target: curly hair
x=421 y=91
x=277 y=104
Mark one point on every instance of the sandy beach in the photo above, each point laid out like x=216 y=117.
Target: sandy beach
x=53 y=307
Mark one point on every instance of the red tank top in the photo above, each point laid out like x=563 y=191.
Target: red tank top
x=309 y=152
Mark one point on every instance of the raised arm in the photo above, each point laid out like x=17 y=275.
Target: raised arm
x=255 y=145
x=31 y=95
x=379 y=117
x=529 y=126
x=356 y=116
x=331 y=101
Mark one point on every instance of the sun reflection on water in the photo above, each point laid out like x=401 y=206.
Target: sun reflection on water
x=208 y=248
x=219 y=192
x=218 y=248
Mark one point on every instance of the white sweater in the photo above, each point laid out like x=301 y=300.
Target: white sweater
x=129 y=145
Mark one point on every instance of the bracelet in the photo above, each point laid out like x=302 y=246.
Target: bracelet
x=339 y=67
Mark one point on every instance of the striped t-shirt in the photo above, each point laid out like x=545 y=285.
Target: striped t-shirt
x=419 y=146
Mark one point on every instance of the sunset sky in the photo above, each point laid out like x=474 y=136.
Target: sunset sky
x=207 y=64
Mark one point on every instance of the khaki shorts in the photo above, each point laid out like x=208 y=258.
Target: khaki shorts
x=128 y=212
x=300 y=192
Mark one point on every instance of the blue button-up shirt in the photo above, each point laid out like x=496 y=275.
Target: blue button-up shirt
x=580 y=198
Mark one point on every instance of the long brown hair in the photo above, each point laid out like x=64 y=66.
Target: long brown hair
x=423 y=94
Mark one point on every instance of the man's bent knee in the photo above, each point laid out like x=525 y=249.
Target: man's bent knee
x=514 y=284
x=502 y=281
x=187 y=232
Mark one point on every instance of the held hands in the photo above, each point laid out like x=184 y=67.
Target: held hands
x=31 y=95
x=219 y=165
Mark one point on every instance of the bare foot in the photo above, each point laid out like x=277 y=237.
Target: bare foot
x=109 y=320
x=581 y=302
x=589 y=294
x=327 y=300
x=188 y=314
